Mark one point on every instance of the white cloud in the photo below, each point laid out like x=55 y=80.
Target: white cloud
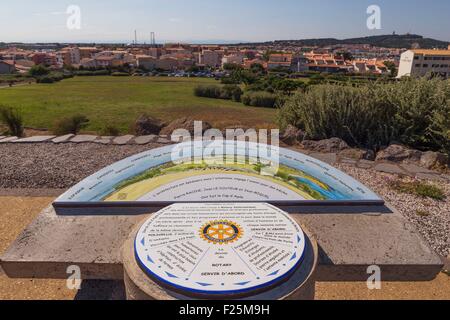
x=54 y=13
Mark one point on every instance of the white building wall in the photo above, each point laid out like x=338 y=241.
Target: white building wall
x=406 y=64
x=419 y=65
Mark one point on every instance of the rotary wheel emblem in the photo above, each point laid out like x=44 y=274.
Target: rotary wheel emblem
x=221 y=232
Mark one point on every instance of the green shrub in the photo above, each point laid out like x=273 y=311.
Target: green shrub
x=227 y=92
x=71 y=125
x=230 y=81
x=13 y=120
x=120 y=74
x=101 y=72
x=208 y=91
x=439 y=128
x=110 y=131
x=38 y=71
x=45 y=79
x=231 y=92
x=53 y=77
x=232 y=66
x=414 y=112
x=259 y=99
x=419 y=188
x=92 y=73
x=423 y=106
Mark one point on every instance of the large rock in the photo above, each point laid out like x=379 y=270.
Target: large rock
x=183 y=123
x=292 y=135
x=358 y=154
x=332 y=145
x=146 y=125
x=433 y=160
x=399 y=153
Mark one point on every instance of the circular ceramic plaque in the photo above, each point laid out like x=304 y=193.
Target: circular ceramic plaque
x=220 y=249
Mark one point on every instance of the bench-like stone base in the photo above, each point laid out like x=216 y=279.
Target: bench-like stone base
x=348 y=245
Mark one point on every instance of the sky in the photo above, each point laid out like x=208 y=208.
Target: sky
x=217 y=21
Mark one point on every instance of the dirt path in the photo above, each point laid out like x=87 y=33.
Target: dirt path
x=16 y=85
x=439 y=289
x=15 y=215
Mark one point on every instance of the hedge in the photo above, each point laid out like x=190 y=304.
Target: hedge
x=260 y=99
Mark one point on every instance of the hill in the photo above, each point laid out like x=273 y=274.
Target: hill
x=388 y=41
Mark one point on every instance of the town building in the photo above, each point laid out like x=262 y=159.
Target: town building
x=146 y=62
x=420 y=62
x=299 y=63
x=23 y=65
x=45 y=58
x=7 y=67
x=88 y=63
x=321 y=61
x=210 y=58
x=167 y=64
x=70 y=56
x=235 y=58
x=372 y=66
x=280 y=60
x=154 y=52
x=88 y=52
x=152 y=63
x=248 y=63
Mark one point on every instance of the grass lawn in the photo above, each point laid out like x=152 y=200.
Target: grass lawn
x=118 y=101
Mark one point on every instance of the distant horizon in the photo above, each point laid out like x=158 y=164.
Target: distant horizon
x=204 y=41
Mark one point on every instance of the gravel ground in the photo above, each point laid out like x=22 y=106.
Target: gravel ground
x=57 y=166
x=434 y=227
x=62 y=166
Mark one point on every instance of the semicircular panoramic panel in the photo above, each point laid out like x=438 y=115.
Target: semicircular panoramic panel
x=224 y=171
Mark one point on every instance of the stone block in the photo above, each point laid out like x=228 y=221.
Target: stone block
x=8 y=139
x=430 y=176
x=365 y=164
x=104 y=140
x=36 y=139
x=63 y=139
x=389 y=168
x=123 y=140
x=83 y=138
x=145 y=139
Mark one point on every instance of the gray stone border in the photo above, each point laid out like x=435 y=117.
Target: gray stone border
x=71 y=138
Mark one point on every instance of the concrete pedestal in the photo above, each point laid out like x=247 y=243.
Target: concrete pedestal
x=300 y=286
x=349 y=244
